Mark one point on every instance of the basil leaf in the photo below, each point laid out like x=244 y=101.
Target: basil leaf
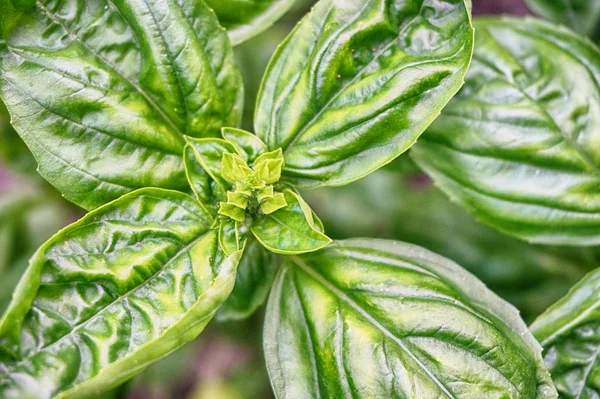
x=291 y=229
x=250 y=146
x=200 y=181
x=110 y=294
x=531 y=277
x=569 y=331
x=356 y=83
x=209 y=154
x=383 y=319
x=230 y=237
x=245 y=19
x=254 y=277
x=102 y=92
x=518 y=145
x=582 y=16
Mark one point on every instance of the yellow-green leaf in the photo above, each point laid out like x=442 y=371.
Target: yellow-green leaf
x=383 y=319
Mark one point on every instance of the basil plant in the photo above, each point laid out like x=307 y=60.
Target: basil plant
x=132 y=111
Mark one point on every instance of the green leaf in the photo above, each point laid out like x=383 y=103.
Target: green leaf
x=234 y=168
x=104 y=99
x=290 y=230
x=230 y=237
x=383 y=319
x=268 y=166
x=233 y=212
x=249 y=144
x=23 y=4
x=110 y=294
x=254 y=277
x=356 y=83
x=265 y=193
x=209 y=154
x=583 y=16
x=200 y=181
x=237 y=199
x=569 y=332
x=274 y=203
x=518 y=146
x=408 y=208
x=245 y=19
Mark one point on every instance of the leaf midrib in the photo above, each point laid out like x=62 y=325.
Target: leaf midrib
x=347 y=300
x=170 y=57
x=313 y=349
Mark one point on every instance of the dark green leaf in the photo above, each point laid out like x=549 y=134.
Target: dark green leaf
x=582 y=16
x=291 y=229
x=253 y=281
x=110 y=294
x=23 y=4
x=519 y=146
x=244 y=19
x=102 y=92
x=382 y=319
x=357 y=82
x=569 y=331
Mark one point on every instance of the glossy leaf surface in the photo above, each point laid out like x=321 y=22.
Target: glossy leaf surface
x=250 y=146
x=209 y=154
x=357 y=82
x=253 y=281
x=291 y=229
x=583 y=16
x=570 y=334
x=531 y=277
x=112 y=293
x=382 y=319
x=245 y=19
x=199 y=180
x=520 y=144
x=103 y=91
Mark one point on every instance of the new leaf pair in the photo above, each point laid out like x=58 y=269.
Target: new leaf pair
x=248 y=198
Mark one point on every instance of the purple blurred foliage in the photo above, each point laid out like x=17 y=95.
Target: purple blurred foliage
x=6 y=179
x=489 y=7
x=419 y=181
x=219 y=357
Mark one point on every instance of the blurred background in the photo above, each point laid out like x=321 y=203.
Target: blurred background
x=397 y=202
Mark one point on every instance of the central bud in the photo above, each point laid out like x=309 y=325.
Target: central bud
x=252 y=188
